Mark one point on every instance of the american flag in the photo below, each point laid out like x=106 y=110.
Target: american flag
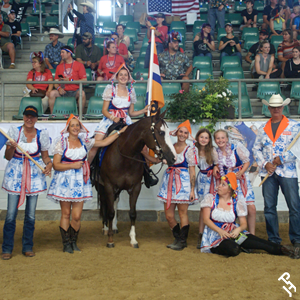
x=174 y=7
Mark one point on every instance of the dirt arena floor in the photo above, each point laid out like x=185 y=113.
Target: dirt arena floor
x=150 y=272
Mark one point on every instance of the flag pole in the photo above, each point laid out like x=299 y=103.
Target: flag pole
x=287 y=149
x=22 y=150
x=150 y=77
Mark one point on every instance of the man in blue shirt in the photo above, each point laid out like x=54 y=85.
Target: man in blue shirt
x=52 y=50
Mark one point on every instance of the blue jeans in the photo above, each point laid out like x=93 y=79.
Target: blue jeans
x=10 y=223
x=212 y=16
x=159 y=49
x=233 y=54
x=290 y=190
x=207 y=54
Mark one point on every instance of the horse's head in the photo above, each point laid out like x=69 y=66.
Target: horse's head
x=161 y=143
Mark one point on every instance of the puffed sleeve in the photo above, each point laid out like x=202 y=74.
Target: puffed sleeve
x=133 y=96
x=207 y=201
x=191 y=157
x=13 y=132
x=243 y=153
x=58 y=149
x=215 y=156
x=44 y=140
x=107 y=94
x=241 y=208
x=89 y=143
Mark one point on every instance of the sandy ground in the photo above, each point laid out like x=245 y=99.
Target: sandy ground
x=150 y=272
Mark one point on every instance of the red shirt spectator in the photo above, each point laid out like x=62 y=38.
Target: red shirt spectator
x=73 y=71
x=110 y=64
x=38 y=76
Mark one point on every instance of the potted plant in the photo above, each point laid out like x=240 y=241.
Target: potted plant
x=213 y=102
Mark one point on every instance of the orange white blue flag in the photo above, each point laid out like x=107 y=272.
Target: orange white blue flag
x=154 y=95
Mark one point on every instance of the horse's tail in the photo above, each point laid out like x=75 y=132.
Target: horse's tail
x=95 y=168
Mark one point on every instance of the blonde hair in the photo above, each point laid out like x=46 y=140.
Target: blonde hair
x=221 y=130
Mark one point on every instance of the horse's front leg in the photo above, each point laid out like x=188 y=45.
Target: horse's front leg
x=133 y=196
x=115 y=221
x=110 y=214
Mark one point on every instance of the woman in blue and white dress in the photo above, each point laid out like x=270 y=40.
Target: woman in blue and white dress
x=178 y=186
x=205 y=183
x=23 y=179
x=222 y=235
x=235 y=158
x=71 y=185
x=118 y=104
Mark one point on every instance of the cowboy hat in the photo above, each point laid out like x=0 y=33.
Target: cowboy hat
x=88 y=4
x=276 y=101
x=55 y=31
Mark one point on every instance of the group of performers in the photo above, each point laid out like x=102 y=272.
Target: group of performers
x=221 y=186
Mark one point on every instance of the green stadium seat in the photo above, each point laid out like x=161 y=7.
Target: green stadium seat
x=233 y=73
x=203 y=17
x=145 y=41
x=260 y=18
x=169 y=89
x=134 y=25
x=275 y=41
x=63 y=107
x=26 y=101
x=101 y=20
x=139 y=73
x=221 y=33
x=99 y=42
x=131 y=45
x=250 y=40
x=249 y=31
x=132 y=34
x=94 y=110
x=53 y=73
x=198 y=85
x=203 y=7
x=197 y=26
x=33 y=21
x=200 y=62
x=140 y=63
x=266 y=112
x=69 y=43
x=89 y=76
x=25 y=29
x=259 y=5
x=295 y=91
x=239 y=6
x=230 y=62
x=51 y=21
x=54 y=10
x=234 y=88
x=178 y=26
x=235 y=19
x=205 y=73
x=143 y=51
x=108 y=28
x=267 y=88
x=123 y=19
x=140 y=91
x=246 y=107
x=37 y=12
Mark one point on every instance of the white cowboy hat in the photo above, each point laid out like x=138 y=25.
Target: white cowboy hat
x=55 y=31
x=276 y=101
x=88 y=4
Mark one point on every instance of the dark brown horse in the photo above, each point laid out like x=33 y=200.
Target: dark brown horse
x=122 y=167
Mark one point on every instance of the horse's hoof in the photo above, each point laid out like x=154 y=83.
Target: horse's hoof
x=110 y=245
x=104 y=232
x=115 y=231
x=135 y=245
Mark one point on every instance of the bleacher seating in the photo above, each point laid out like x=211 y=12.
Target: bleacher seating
x=178 y=26
x=230 y=62
x=134 y=25
x=63 y=107
x=233 y=73
x=124 y=19
x=140 y=91
x=26 y=101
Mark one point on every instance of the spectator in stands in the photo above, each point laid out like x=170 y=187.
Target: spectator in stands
x=285 y=49
x=15 y=28
x=83 y=21
x=294 y=14
x=230 y=44
x=249 y=15
x=3 y=13
x=110 y=63
x=5 y=42
x=68 y=70
x=203 y=42
x=122 y=38
x=255 y=49
x=295 y=22
x=87 y=53
x=267 y=14
x=53 y=50
x=160 y=33
x=6 y=7
x=286 y=10
x=173 y=64
x=264 y=63
x=292 y=66
x=277 y=23
x=216 y=12
x=39 y=72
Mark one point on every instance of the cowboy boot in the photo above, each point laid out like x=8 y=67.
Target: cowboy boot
x=150 y=178
x=176 y=234
x=199 y=241
x=73 y=238
x=66 y=240
x=181 y=244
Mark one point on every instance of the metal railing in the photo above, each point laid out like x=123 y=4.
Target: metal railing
x=83 y=83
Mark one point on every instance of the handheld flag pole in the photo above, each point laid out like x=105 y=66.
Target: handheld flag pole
x=150 y=77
